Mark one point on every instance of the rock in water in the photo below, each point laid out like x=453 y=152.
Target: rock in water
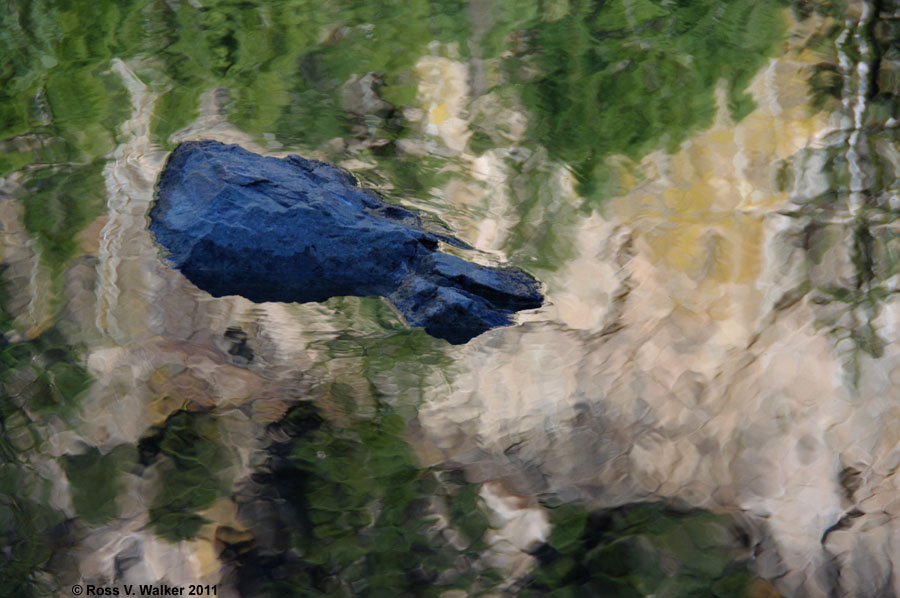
x=297 y=230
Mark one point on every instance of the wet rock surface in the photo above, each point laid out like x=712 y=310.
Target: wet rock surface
x=297 y=230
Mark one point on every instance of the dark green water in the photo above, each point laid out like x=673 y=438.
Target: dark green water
x=331 y=488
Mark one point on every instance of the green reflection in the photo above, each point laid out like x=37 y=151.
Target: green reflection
x=96 y=481
x=58 y=100
x=364 y=513
x=640 y=550
x=285 y=63
x=30 y=533
x=59 y=204
x=190 y=461
x=628 y=77
x=41 y=380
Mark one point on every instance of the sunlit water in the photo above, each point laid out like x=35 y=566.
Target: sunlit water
x=717 y=350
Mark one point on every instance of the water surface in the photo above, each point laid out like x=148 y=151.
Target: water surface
x=704 y=407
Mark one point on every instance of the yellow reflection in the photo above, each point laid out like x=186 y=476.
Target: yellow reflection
x=702 y=212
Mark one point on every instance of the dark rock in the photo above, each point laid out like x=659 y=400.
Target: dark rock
x=297 y=230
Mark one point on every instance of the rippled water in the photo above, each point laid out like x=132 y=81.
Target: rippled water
x=705 y=406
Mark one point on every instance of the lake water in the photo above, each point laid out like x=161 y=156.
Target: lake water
x=706 y=405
